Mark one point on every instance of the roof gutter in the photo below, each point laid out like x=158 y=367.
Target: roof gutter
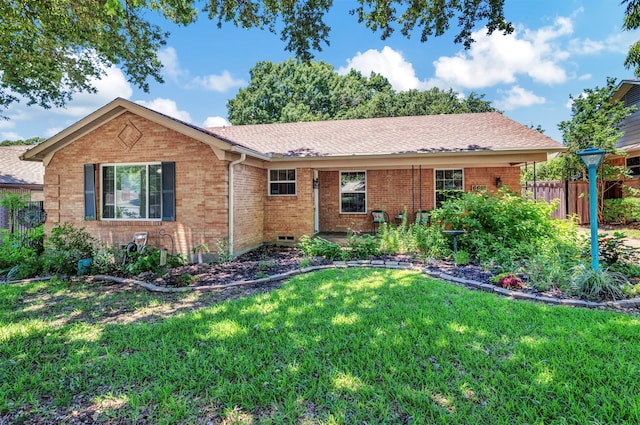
x=243 y=157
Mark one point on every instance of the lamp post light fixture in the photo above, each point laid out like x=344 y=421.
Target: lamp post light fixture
x=592 y=157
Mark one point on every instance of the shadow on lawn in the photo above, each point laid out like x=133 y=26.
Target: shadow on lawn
x=362 y=346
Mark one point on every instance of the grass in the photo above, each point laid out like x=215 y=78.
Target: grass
x=333 y=347
x=631 y=233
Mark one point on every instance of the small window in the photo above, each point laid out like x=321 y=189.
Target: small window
x=353 y=192
x=282 y=182
x=633 y=164
x=449 y=184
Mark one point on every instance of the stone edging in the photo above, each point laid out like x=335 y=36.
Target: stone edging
x=628 y=303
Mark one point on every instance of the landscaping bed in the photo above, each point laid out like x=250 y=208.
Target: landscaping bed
x=273 y=261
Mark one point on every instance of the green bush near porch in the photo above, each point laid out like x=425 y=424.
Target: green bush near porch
x=506 y=233
x=622 y=210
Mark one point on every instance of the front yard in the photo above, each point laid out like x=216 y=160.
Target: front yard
x=337 y=346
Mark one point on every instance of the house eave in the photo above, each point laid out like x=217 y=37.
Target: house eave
x=623 y=88
x=514 y=156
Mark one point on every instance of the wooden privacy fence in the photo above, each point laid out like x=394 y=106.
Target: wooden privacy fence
x=569 y=193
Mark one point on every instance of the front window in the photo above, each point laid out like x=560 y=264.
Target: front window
x=282 y=182
x=633 y=164
x=132 y=191
x=449 y=183
x=353 y=192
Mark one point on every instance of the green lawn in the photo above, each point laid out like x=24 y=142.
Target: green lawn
x=338 y=346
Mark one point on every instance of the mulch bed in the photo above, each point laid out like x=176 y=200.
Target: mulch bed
x=269 y=261
x=274 y=260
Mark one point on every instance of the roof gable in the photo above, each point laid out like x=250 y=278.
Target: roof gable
x=114 y=109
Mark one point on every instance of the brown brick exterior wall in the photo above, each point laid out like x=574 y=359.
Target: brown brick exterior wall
x=290 y=215
x=249 y=194
x=391 y=191
x=201 y=183
x=202 y=196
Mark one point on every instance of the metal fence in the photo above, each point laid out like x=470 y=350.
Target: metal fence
x=22 y=220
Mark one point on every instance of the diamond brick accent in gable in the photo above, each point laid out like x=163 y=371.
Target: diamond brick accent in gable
x=129 y=135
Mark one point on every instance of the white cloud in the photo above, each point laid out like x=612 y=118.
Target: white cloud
x=52 y=131
x=6 y=124
x=214 y=82
x=500 y=59
x=216 y=122
x=170 y=64
x=389 y=63
x=218 y=83
x=167 y=107
x=518 y=97
x=113 y=84
x=618 y=42
x=9 y=135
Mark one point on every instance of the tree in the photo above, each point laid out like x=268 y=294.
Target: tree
x=595 y=122
x=297 y=91
x=50 y=50
x=25 y=142
x=632 y=22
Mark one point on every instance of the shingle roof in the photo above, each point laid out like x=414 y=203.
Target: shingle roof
x=489 y=131
x=14 y=172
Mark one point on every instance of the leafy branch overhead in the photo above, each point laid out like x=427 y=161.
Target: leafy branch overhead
x=50 y=50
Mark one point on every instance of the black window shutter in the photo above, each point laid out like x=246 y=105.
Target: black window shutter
x=168 y=191
x=89 y=192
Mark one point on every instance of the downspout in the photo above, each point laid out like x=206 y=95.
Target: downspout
x=243 y=156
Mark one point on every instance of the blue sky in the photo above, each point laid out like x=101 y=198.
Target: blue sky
x=559 y=48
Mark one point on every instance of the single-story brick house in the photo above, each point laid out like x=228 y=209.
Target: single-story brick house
x=126 y=168
x=20 y=177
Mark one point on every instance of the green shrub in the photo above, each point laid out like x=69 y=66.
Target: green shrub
x=67 y=237
x=602 y=284
x=622 y=210
x=320 y=247
x=149 y=261
x=500 y=228
x=612 y=249
x=362 y=246
x=61 y=262
x=104 y=261
x=427 y=241
x=461 y=258
x=19 y=254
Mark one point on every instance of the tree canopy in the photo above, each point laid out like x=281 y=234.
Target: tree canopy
x=50 y=50
x=313 y=91
x=25 y=142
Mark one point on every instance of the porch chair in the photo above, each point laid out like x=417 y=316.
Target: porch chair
x=377 y=218
x=422 y=217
